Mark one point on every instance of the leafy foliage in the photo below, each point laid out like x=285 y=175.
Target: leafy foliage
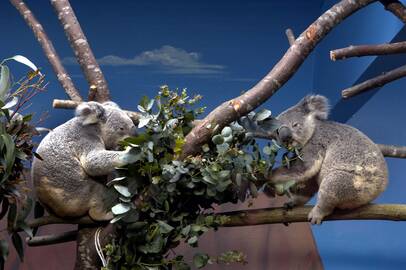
x=164 y=200
x=15 y=150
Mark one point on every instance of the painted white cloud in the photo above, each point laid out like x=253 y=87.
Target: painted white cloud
x=167 y=59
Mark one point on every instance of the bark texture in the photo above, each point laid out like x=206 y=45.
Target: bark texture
x=275 y=79
x=364 y=50
x=81 y=48
x=48 y=48
x=393 y=151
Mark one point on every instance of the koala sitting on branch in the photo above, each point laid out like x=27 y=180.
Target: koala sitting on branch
x=346 y=168
x=77 y=157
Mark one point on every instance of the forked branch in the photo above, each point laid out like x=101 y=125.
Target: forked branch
x=364 y=50
x=231 y=110
x=81 y=48
x=290 y=36
x=373 y=83
x=49 y=50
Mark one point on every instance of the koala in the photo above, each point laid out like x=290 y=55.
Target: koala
x=338 y=161
x=76 y=159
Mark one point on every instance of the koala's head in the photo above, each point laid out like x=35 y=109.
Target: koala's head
x=115 y=124
x=297 y=124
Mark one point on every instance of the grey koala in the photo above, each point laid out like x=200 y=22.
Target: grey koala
x=346 y=168
x=77 y=157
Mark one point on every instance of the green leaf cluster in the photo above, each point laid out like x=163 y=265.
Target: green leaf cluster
x=163 y=200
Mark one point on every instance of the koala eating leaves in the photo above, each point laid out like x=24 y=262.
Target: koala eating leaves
x=346 y=168
x=77 y=157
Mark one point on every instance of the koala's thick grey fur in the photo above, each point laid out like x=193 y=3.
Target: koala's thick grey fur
x=77 y=157
x=346 y=168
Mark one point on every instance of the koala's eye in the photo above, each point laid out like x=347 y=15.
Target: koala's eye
x=121 y=128
x=295 y=125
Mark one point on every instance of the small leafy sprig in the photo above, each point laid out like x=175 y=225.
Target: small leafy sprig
x=163 y=200
x=16 y=147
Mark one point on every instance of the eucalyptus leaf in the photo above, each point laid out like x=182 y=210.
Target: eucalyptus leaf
x=4 y=249
x=200 y=260
x=10 y=104
x=18 y=245
x=123 y=190
x=120 y=208
x=24 y=60
x=262 y=115
x=5 y=82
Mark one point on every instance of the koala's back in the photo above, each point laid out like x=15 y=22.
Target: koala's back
x=59 y=179
x=355 y=158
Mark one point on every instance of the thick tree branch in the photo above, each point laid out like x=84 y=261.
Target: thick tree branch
x=48 y=48
x=69 y=104
x=364 y=50
x=278 y=76
x=290 y=36
x=393 y=151
x=394 y=212
x=396 y=7
x=51 y=239
x=81 y=47
x=378 y=81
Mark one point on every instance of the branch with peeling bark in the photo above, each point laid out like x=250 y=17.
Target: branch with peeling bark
x=81 y=48
x=49 y=50
x=365 y=50
x=373 y=83
x=231 y=110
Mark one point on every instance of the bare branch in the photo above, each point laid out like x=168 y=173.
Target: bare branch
x=364 y=50
x=51 y=239
x=378 y=81
x=69 y=104
x=46 y=220
x=81 y=47
x=231 y=110
x=48 y=48
x=394 y=212
x=290 y=36
x=396 y=7
x=393 y=151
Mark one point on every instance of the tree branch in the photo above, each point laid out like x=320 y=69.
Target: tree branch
x=231 y=110
x=48 y=48
x=69 y=104
x=81 y=47
x=394 y=212
x=51 y=239
x=396 y=7
x=393 y=151
x=378 y=81
x=290 y=36
x=363 y=50
x=46 y=220
x=250 y=217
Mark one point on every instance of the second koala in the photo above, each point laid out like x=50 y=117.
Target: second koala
x=77 y=157
x=346 y=168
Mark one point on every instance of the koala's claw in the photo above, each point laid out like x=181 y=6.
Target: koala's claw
x=315 y=217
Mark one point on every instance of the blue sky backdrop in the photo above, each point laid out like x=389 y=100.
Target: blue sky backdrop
x=220 y=48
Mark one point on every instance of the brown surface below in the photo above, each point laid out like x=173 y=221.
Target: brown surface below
x=266 y=246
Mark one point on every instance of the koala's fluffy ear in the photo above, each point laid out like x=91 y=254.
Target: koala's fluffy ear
x=316 y=105
x=90 y=112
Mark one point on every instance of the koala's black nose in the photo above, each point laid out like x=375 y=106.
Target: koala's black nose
x=284 y=134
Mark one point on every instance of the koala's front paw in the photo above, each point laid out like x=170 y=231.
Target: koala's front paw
x=315 y=216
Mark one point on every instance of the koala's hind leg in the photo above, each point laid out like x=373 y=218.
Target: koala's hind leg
x=99 y=213
x=336 y=188
x=301 y=193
